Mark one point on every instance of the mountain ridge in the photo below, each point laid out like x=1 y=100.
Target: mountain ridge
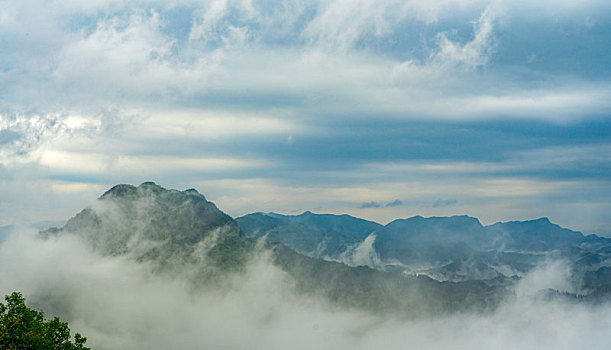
x=454 y=248
x=180 y=232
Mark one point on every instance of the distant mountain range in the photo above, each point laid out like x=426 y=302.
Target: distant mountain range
x=457 y=248
x=412 y=266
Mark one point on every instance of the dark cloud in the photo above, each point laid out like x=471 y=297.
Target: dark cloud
x=395 y=203
x=364 y=140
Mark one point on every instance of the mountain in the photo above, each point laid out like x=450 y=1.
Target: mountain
x=386 y=292
x=316 y=235
x=538 y=235
x=450 y=230
x=460 y=248
x=168 y=227
x=181 y=232
x=457 y=248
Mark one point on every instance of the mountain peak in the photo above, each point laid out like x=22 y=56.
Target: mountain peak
x=154 y=223
x=120 y=190
x=130 y=191
x=150 y=186
x=466 y=218
x=194 y=192
x=543 y=220
x=540 y=221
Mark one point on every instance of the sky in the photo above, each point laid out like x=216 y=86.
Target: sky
x=496 y=109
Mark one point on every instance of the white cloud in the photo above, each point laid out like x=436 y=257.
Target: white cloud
x=29 y=132
x=215 y=125
x=339 y=24
x=212 y=26
x=129 y=60
x=474 y=53
x=554 y=104
x=157 y=164
x=119 y=304
x=121 y=57
x=100 y=164
x=342 y=24
x=75 y=187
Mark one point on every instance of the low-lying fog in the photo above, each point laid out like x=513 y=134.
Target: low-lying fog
x=119 y=304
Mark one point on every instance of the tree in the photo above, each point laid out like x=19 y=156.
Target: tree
x=22 y=328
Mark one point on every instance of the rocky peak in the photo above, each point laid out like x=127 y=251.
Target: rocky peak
x=151 y=222
x=121 y=190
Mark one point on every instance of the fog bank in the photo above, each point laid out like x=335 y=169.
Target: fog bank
x=119 y=304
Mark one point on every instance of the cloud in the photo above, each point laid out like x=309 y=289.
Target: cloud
x=96 y=164
x=474 y=53
x=120 y=304
x=395 y=203
x=22 y=134
x=241 y=53
x=341 y=24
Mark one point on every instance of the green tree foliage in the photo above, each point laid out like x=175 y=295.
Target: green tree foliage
x=22 y=328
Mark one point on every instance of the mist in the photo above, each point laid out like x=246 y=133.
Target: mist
x=120 y=304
